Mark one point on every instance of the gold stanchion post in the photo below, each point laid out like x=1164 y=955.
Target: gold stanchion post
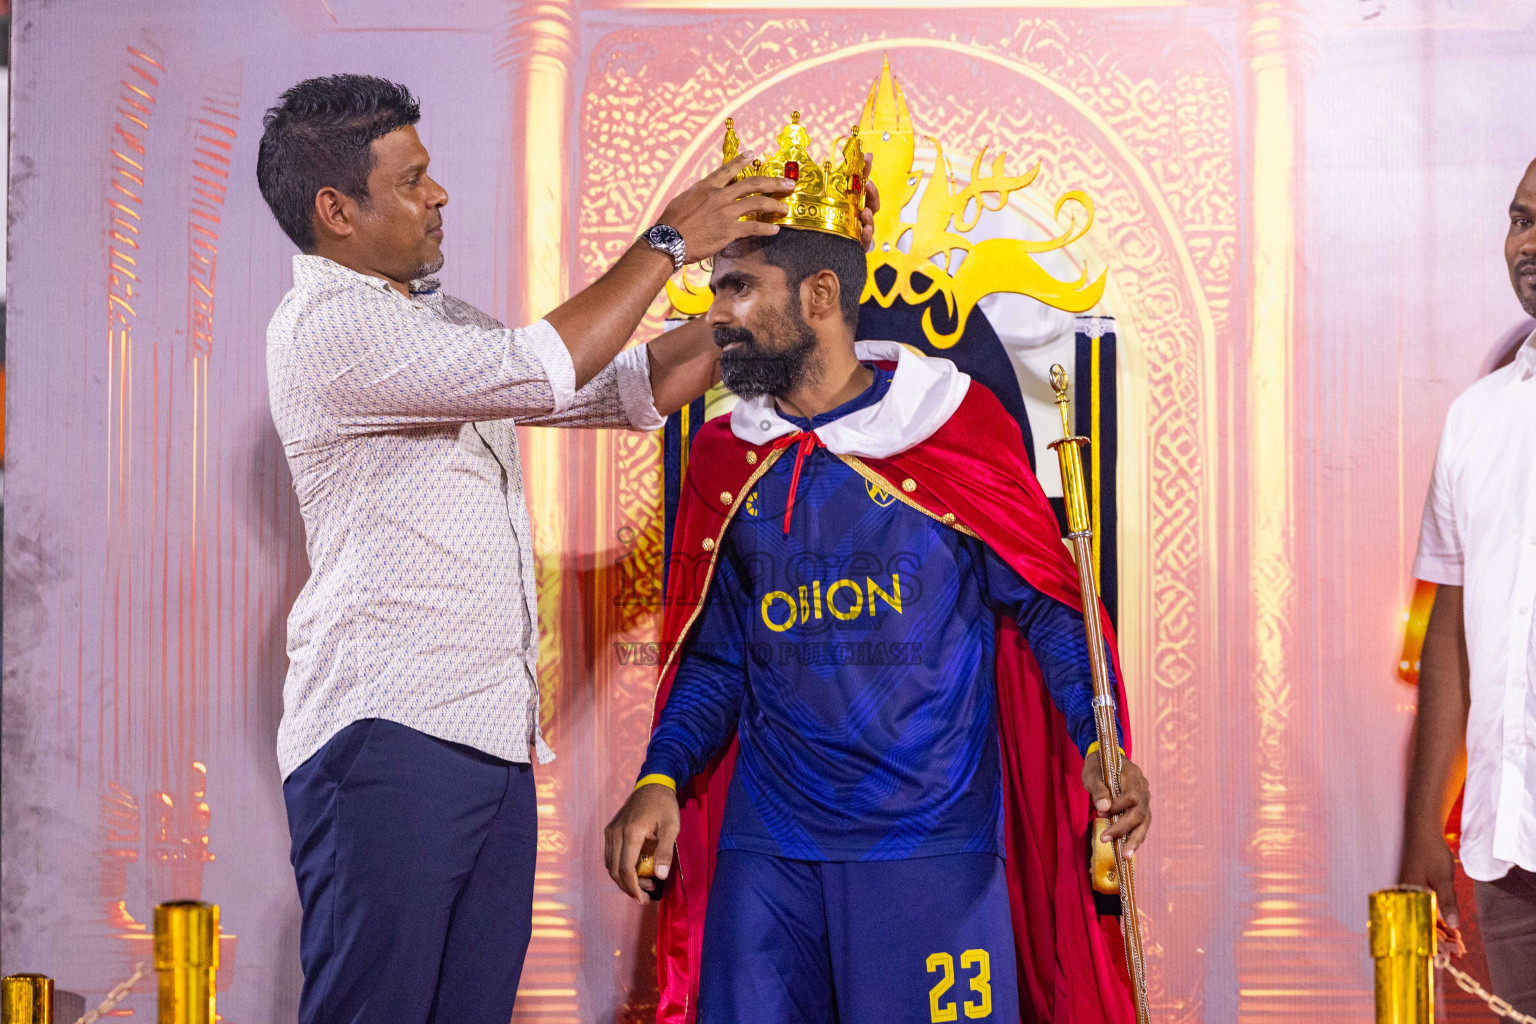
x=187 y=958
x=26 y=999
x=1403 y=946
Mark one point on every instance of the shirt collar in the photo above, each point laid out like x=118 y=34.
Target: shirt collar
x=923 y=395
x=311 y=271
x=1525 y=359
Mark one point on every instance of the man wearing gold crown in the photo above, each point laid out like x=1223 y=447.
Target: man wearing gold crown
x=877 y=696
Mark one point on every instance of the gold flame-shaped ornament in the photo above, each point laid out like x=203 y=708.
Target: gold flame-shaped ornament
x=924 y=253
x=944 y=215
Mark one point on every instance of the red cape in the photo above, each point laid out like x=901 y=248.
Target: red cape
x=974 y=470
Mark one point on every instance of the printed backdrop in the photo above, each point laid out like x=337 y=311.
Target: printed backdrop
x=1299 y=205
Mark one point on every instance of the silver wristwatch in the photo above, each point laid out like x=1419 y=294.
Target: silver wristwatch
x=666 y=239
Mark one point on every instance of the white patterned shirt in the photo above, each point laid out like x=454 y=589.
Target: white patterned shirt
x=398 y=416
x=1479 y=533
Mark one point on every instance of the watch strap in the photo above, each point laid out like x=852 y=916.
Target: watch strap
x=667 y=239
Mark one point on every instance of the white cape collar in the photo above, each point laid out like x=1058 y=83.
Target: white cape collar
x=924 y=394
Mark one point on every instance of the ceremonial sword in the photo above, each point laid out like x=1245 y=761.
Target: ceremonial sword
x=1112 y=871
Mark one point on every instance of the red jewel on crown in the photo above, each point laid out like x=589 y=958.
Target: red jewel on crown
x=856 y=186
x=792 y=170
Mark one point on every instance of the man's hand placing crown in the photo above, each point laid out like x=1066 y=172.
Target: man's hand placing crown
x=709 y=213
x=871 y=206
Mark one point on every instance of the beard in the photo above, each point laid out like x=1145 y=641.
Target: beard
x=1527 y=300
x=430 y=267
x=754 y=369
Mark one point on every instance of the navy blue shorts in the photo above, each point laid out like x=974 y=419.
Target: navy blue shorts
x=865 y=942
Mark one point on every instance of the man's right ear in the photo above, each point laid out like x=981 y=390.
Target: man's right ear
x=820 y=295
x=333 y=213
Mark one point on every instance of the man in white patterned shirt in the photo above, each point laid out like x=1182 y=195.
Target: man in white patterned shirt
x=1477 y=678
x=411 y=705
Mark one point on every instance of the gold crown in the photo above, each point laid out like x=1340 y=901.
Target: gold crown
x=826 y=198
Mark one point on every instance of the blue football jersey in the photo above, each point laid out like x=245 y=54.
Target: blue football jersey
x=853 y=657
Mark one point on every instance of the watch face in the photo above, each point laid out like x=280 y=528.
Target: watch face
x=668 y=240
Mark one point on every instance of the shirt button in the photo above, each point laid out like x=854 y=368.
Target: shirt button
x=709 y=544
x=752 y=461
x=1525 y=609
x=725 y=497
x=909 y=485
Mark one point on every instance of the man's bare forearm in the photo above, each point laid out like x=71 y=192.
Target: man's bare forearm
x=685 y=363
x=708 y=216
x=596 y=322
x=1441 y=729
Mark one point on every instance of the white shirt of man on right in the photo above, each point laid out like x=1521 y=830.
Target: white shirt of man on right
x=1479 y=533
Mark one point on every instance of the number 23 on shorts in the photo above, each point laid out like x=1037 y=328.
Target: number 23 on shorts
x=942 y=964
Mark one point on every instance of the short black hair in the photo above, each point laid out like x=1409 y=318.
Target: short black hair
x=801 y=252
x=319 y=136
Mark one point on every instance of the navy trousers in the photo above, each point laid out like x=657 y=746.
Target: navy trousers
x=414 y=858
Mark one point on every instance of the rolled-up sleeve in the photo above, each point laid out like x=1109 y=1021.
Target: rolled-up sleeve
x=619 y=396
x=545 y=344
x=635 y=395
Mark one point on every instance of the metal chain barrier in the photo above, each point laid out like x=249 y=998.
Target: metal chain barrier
x=1469 y=984
x=1442 y=961
x=117 y=995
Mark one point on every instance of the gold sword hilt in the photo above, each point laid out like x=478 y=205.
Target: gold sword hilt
x=1059 y=385
x=1069 y=452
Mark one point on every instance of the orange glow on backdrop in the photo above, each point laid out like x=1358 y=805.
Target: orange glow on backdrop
x=1415 y=621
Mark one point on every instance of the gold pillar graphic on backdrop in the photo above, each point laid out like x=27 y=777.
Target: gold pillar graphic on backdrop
x=1293 y=962
x=538 y=50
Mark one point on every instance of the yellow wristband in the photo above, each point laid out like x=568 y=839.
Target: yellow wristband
x=1094 y=746
x=658 y=780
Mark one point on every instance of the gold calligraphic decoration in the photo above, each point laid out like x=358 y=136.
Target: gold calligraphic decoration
x=937 y=259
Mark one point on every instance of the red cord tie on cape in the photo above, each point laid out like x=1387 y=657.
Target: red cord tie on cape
x=806 y=441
